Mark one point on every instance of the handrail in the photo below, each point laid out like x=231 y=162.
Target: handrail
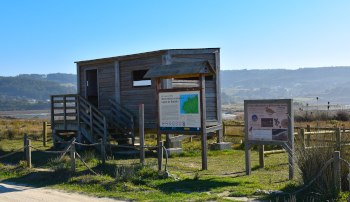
x=123 y=119
x=121 y=108
x=92 y=106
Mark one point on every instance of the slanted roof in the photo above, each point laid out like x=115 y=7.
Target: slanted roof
x=181 y=70
x=151 y=53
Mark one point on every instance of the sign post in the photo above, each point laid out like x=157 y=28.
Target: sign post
x=269 y=122
x=182 y=110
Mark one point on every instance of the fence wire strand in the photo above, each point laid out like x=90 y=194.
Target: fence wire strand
x=317 y=176
x=49 y=152
x=3 y=156
x=85 y=163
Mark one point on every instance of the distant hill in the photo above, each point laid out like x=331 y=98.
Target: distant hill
x=21 y=88
x=322 y=77
x=326 y=83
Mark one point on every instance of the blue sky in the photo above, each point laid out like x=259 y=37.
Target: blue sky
x=49 y=36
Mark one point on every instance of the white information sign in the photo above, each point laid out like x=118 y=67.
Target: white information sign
x=179 y=111
x=268 y=122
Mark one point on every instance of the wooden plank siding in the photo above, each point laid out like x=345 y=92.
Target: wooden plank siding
x=106 y=83
x=131 y=96
x=210 y=85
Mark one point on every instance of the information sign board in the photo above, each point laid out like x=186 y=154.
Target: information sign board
x=179 y=111
x=268 y=121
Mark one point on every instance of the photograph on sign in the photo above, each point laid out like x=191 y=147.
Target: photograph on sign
x=268 y=121
x=179 y=111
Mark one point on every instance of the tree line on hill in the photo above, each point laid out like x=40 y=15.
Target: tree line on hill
x=326 y=83
x=60 y=78
x=15 y=92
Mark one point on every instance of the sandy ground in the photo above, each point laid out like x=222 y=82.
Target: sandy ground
x=10 y=192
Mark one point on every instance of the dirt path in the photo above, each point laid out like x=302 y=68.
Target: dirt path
x=10 y=192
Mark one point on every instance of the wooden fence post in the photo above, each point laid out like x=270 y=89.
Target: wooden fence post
x=336 y=168
x=72 y=157
x=302 y=132
x=223 y=129
x=261 y=156
x=29 y=154
x=25 y=143
x=338 y=135
x=160 y=155
x=44 y=133
x=308 y=128
x=142 y=133
x=103 y=152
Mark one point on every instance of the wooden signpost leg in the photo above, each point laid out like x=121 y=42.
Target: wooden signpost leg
x=203 y=121
x=261 y=156
x=248 y=164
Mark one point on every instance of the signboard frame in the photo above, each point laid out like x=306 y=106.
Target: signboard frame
x=249 y=142
x=172 y=119
x=202 y=108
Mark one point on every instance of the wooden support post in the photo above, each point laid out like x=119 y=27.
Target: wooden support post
x=203 y=110
x=103 y=152
x=338 y=135
x=336 y=167
x=261 y=156
x=142 y=132
x=190 y=139
x=72 y=157
x=309 y=140
x=219 y=136
x=44 y=133
x=160 y=155
x=248 y=163
x=29 y=154
x=157 y=110
x=302 y=132
x=79 y=137
x=25 y=143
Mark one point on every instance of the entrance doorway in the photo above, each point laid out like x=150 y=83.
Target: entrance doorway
x=91 y=86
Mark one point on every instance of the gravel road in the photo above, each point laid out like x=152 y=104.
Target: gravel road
x=10 y=192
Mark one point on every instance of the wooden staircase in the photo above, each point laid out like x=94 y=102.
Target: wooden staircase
x=75 y=113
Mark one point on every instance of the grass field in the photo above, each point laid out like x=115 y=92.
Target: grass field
x=124 y=178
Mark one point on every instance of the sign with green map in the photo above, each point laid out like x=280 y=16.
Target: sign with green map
x=179 y=111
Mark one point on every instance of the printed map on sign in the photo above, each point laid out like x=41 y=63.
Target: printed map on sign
x=268 y=122
x=179 y=111
x=189 y=104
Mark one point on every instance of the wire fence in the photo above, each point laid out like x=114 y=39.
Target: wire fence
x=69 y=148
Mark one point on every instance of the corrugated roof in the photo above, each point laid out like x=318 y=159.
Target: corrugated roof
x=188 y=69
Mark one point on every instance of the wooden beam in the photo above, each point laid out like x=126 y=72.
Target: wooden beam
x=192 y=51
x=167 y=83
x=117 y=82
x=218 y=87
x=78 y=79
x=158 y=86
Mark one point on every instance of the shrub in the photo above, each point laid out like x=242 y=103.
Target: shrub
x=342 y=116
x=132 y=172
x=311 y=161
